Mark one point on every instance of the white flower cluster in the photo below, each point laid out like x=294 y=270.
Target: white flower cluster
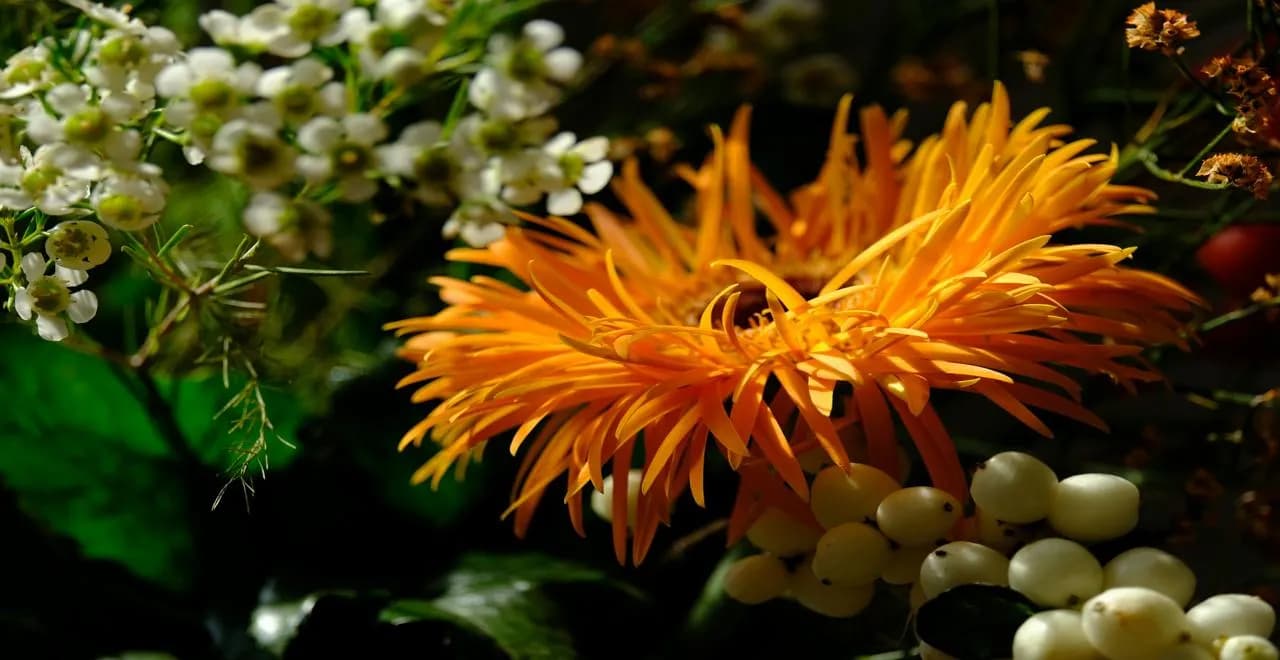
x=507 y=153
x=80 y=112
x=74 y=112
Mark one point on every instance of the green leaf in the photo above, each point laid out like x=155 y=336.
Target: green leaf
x=973 y=620
x=83 y=455
x=506 y=599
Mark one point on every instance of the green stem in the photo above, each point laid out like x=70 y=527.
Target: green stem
x=1204 y=89
x=1149 y=161
x=1205 y=151
x=1236 y=315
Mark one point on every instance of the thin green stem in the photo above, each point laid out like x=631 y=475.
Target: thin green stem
x=1149 y=161
x=1205 y=151
x=1199 y=84
x=1236 y=315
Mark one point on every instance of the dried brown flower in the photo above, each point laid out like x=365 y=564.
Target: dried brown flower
x=1033 y=64
x=1240 y=170
x=1159 y=29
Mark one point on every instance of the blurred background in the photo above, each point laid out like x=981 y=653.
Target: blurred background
x=113 y=545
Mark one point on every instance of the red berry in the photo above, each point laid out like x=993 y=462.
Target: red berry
x=1240 y=256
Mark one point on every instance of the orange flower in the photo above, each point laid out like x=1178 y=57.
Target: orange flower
x=893 y=274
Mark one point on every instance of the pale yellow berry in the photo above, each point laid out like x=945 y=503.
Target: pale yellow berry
x=756 y=579
x=829 y=600
x=851 y=554
x=777 y=532
x=917 y=516
x=838 y=497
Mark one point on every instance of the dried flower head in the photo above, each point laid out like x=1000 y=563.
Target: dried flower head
x=1033 y=64
x=1243 y=171
x=1159 y=29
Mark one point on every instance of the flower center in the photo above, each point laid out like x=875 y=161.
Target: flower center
x=525 y=62
x=352 y=158
x=310 y=22
x=88 y=125
x=297 y=100
x=380 y=40
x=572 y=165
x=122 y=51
x=753 y=300
x=259 y=156
x=26 y=72
x=122 y=211
x=205 y=125
x=49 y=295
x=212 y=95
x=434 y=165
x=37 y=180
x=78 y=244
x=497 y=137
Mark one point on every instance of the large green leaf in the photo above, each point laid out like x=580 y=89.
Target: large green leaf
x=83 y=455
x=507 y=599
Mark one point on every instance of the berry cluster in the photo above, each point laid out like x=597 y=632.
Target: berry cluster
x=874 y=530
x=1027 y=531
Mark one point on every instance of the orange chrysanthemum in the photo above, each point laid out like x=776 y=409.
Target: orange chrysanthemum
x=891 y=275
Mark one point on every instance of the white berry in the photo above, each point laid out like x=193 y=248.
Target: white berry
x=1248 y=647
x=1055 y=573
x=1094 y=507
x=837 y=497
x=1014 y=487
x=1231 y=615
x=960 y=563
x=1153 y=569
x=851 y=554
x=1053 y=635
x=602 y=500
x=917 y=516
x=1133 y=622
x=756 y=579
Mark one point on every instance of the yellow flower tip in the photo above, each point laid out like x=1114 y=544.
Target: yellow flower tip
x=895 y=274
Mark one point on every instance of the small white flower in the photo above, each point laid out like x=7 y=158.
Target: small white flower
x=78 y=244
x=293 y=227
x=413 y=14
x=54 y=179
x=393 y=43
x=443 y=171
x=108 y=15
x=302 y=90
x=479 y=222
x=129 y=202
x=566 y=170
x=483 y=137
x=344 y=151
x=49 y=298
x=204 y=91
x=28 y=70
x=227 y=29
x=96 y=125
x=293 y=26
x=524 y=74
x=254 y=152
x=128 y=62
